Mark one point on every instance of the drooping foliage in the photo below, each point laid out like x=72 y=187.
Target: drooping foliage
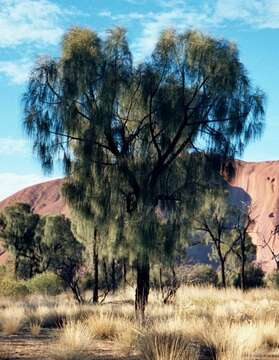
x=138 y=138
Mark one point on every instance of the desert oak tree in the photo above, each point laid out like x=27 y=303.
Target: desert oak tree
x=134 y=128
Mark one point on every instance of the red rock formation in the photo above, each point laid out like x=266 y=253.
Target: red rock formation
x=44 y=198
x=260 y=180
x=257 y=183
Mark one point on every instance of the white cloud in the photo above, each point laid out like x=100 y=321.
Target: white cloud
x=10 y=146
x=105 y=13
x=209 y=15
x=16 y=71
x=12 y=182
x=177 y=18
x=256 y=13
x=124 y=17
x=29 y=21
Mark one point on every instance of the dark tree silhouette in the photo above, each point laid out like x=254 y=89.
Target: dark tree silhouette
x=122 y=128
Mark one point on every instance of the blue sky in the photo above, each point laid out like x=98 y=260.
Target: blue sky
x=30 y=28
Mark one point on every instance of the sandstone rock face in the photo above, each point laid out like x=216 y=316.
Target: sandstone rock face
x=259 y=182
x=254 y=183
x=45 y=198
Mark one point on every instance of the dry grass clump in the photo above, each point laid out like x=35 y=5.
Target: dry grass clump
x=74 y=342
x=225 y=340
x=166 y=346
x=107 y=326
x=55 y=315
x=50 y=317
x=256 y=336
x=35 y=327
x=12 y=319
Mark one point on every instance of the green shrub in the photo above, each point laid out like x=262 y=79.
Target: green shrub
x=272 y=279
x=201 y=274
x=13 y=288
x=254 y=277
x=45 y=283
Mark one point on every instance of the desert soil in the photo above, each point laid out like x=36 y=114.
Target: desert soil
x=24 y=346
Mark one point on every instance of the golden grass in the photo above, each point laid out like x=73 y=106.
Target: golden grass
x=106 y=326
x=166 y=346
x=35 y=327
x=74 y=342
x=226 y=324
x=115 y=327
x=12 y=319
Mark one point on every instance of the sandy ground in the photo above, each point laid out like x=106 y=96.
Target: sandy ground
x=28 y=347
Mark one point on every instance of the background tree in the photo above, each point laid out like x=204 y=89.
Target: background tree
x=136 y=128
x=244 y=250
x=216 y=221
x=269 y=243
x=18 y=230
x=63 y=254
x=41 y=244
x=87 y=232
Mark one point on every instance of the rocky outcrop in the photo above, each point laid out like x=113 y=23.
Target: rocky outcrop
x=256 y=183
x=44 y=198
x=260 y=183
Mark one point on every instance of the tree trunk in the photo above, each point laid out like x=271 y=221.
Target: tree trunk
x=142 y=289
x=113 y=280
x=242 y=275
x=223 y=273
x=124 y=273
x=161 y=285
x=76 y=292
x=16 y=266
x=95 y=270
x=243 y=261
x=106 y=275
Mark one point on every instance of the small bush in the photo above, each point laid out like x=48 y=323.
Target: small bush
x=12 y=319
x=13 y=288
x=74 y=342
x=202 y=274
x=47 y=283
x=254 y=277
x=272 y=280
